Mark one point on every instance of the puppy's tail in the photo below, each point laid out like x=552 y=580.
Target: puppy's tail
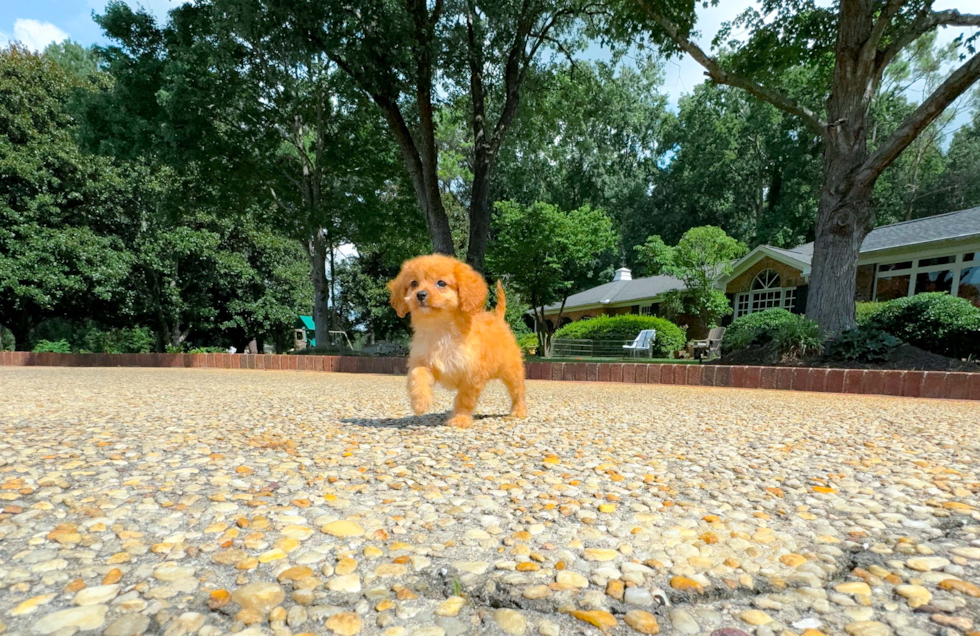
x=501 y=307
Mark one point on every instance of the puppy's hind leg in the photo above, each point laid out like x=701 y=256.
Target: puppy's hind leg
x=465 y=403
x=514 y=381
x=420 y=383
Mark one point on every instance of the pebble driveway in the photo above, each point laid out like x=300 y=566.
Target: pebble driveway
x=187 y=501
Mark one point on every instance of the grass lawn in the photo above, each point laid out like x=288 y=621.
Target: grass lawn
x=632 y=360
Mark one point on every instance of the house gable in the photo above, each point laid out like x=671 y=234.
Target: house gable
x=789 y=276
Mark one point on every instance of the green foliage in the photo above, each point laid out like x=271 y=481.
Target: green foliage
x=544 y=253
x=864 y=344
x=670 y=338
x=47 y=346
x=796 y=338
x=699 y=258
x=745 y=330
x=936 y=322
x=864 y=312
x=135 y=340
x=207 y=350
x=789 y=335
x=6 y=339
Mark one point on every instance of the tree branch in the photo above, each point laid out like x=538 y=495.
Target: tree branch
x=721 y=76
x=927 y=112
x=926 y=22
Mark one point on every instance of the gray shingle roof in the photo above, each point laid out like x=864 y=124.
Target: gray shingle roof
x=622 y=291
x=941 y=227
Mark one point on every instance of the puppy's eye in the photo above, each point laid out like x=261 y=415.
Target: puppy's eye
x=415 y=284
x=441 y=283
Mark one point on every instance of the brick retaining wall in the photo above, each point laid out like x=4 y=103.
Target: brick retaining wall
x=929 y=384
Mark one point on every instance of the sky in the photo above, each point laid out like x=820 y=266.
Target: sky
x=40 y=22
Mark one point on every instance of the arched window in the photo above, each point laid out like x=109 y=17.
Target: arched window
x=766 y=279
x=765 y=293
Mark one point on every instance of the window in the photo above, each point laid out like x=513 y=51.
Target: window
x=646 y=311
x=741 y=305
x=892 y=287
x=970 y=284
x=941 y=281
x=789 y=300
x=766 y=279
x=945 y=274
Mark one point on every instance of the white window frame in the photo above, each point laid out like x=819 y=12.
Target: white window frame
x=956 y=266
x=745 y=301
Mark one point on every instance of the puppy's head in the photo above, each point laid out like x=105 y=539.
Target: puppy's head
x=431 y=285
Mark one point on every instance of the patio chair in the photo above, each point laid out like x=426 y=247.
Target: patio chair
x=643 y=342
x=710 y=345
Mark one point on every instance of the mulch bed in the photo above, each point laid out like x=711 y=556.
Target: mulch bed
x=905 y=357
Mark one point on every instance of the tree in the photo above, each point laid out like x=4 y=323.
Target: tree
x=405 y=54
x=859 y=39
x=59 y=254
x=589 y=134
x=545 y=254
x=701 y=256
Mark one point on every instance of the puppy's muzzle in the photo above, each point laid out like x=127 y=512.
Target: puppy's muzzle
x=421 y=295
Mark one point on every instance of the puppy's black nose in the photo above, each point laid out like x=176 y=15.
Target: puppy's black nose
x=421 y=295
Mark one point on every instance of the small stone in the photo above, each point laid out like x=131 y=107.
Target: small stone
x=96 y=595
x=343 y=529
x=30 y=605
x=261 y=597
x=615 y=588
x=574 y=579
x=643 y=622
x=684 y=583
x=350 y=583
x=294 y=573
x=170 y=573
x=925 y=564
x=296 y=616
x=599 y=618
x=638 y=596
x=964 y=587
x=479 y=567
x=867 y=628
x=916 y=595
x=83 y=618
x=683 y=622
x=510 y=621
x=218 y=599
x=967 y=553
x=598 y=554
x=112 y=576
x=128 y=625
x=537 y=591
x=451 y=606
x=755 y=617
x=792 y=560
x=548 y=628
x=959 y=622
x=344 y=623
x=854 y=587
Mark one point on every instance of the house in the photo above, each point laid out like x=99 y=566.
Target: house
x=938 y=253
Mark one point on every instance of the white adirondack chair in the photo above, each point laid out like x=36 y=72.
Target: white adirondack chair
x=643 y=342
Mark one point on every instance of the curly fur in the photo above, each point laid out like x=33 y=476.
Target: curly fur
x=455 y=342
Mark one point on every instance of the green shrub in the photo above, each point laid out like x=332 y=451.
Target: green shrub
x=753 y=328
x=670 y=337
x=527 y=342
x=864 y=344
x=133 y=340
x=208 y=350
x=796 y=338
x=936 y=322
x=57 y=346
x=864 y=312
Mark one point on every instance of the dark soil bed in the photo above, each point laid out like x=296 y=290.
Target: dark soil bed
x=904 y=357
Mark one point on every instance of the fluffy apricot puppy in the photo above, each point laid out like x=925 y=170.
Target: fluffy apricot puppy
x=455 y=342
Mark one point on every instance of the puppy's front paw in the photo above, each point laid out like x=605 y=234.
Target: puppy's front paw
x=460 y=421
x=421 y=404
x=518 y=410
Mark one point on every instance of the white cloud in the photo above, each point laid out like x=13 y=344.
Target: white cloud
x=34 y=34
x=158 y=8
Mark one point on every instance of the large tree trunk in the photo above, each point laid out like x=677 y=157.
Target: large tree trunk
x=318 y=276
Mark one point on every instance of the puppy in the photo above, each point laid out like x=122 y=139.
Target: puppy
x=455 y=342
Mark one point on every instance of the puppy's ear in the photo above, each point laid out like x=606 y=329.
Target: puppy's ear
x=398 y=289
x=472 y=289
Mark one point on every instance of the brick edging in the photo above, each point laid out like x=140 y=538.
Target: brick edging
x=928 y=384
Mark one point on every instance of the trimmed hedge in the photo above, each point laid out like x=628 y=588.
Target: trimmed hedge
x=745 y=330
x=936 y=322
x=670 y=337
x=864 y=312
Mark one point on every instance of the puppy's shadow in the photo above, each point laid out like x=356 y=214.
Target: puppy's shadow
x=430 y=420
